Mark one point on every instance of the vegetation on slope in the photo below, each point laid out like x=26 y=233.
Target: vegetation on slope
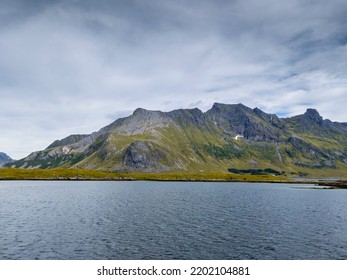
x=193 y=142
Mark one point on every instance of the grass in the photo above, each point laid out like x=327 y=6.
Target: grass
x=54 y=174
x=83 y=174
x=210 y=176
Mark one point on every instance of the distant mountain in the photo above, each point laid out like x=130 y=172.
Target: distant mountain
x=4 y=159
x=225 y=137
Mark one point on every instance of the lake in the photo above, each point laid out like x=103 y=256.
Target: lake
x=170 y=220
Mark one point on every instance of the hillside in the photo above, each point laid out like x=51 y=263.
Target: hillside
x=189 y=140
x=4 y=159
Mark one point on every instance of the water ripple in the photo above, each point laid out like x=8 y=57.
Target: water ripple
x=153 y=220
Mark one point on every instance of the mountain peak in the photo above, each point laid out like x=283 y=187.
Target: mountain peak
x=238 y=119
x=4 y=159
x=145 y=112
x=188 y=116
x=312 y=112
x=313 y=115
x=217 y=105
x=140 y=111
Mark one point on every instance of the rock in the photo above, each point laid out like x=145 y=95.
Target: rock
x=143 y=155
x=240 y=120
x=68 y=140
x=312 y=116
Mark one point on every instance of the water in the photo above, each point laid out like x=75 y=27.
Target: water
x=155 y=220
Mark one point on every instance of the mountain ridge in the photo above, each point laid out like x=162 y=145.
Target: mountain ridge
x=4 y=158
x=225 y=136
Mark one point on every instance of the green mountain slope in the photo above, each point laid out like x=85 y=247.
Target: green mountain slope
x=188 y=140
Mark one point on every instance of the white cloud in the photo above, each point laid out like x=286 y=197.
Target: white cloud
x=70 y=66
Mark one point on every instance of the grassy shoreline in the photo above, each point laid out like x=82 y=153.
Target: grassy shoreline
x=13 y=174
x=98 y=175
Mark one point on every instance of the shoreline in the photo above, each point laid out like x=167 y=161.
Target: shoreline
x=321 y=182
x=315 y=184
x=17 y=174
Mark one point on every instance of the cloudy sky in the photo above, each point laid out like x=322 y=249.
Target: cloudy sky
x=74 y=66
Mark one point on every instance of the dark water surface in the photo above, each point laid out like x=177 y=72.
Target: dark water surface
x=155 y=220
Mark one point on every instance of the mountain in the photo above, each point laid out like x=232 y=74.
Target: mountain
x=4 y=159
x=189 y=140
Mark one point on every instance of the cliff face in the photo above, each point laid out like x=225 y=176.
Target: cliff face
x=241 y=120
x=226 y=136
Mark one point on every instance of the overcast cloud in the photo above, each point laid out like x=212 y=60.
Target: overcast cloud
x=74 y=66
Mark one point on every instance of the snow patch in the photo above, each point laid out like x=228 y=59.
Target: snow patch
x=65 y=150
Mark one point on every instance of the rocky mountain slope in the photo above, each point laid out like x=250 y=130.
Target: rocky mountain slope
x=4 y=159
x=224 y=137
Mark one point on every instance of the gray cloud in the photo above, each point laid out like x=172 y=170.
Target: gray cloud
x=70 y=66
